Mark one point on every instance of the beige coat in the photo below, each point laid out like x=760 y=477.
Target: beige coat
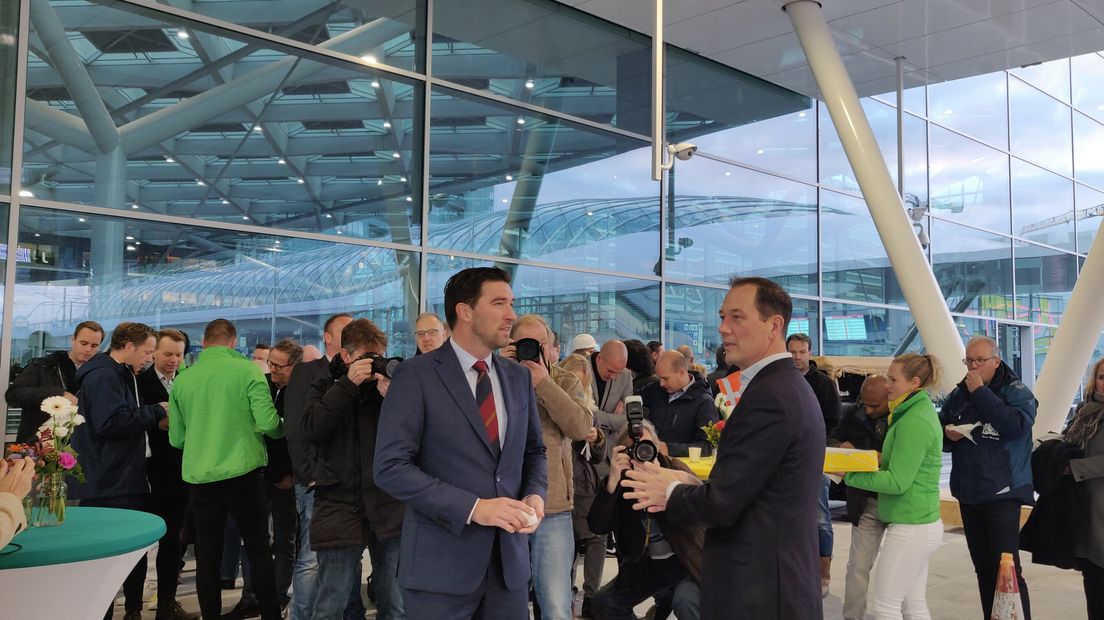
x=564 y=418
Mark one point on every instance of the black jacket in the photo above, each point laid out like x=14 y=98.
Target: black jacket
x=712 y=378
x=163 y=465
x=1050 y=533
x=111 y=445
x=679 y=422
x=865 y=433
x=826 y=394
x=279 y=459
x=342 y=425
x=52 y=375
x=303 y=453
x=643 y=381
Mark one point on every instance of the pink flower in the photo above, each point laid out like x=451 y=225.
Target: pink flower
x=67 y=460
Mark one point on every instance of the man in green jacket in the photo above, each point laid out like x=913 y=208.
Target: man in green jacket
x=218 y=411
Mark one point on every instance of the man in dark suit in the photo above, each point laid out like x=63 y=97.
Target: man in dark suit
x=168 y=493
x=759 y=505
x=460 y=442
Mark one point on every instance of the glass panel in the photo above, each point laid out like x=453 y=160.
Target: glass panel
x=571 y=302
x=853 y=259
x=969 y=181
x=112 y=270
x=1039 y=127
x=726 y=221
x=1051 y=77
x=968 y=328
x=973 y=105
x=785 y=144
x=1090 y=214
x=560 y=58
x=1087 y=74
x=835 y=169
x=504 y=182
x=220 y=127
x=973 y=268
x=9 y=51
x=390 y=33
x=1044 y=282
x=862 y=330
x=1042 y=206
x=1088 y=150
x=693 y=319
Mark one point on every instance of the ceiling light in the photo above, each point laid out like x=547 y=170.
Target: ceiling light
x=131 y=248
x=181 y=34
x=728 y=174
x=590 y=213
x=129 y=238
x=26 y=193
x=169 y=159
x=387 y=124
x=759 y=152
x=37 y=235
x=339 y=232
x=375 y=83
x=504 y=201
x=509 y=177
x=329 y=216
x=201 y=183
x=277 y=242
x=402 y=179
x=948 y=112
x=801 y=115
x=396 y=155
x=521 y=121
x=281 y=161
x=369 y=58
x=258 y=128
x=300 y=181
x=245 y=217
x=137 y=243
x=225 y=201
x=409 y=199
x=134 y=206
x=81 y=219
x=379 y=182
x=529 y=84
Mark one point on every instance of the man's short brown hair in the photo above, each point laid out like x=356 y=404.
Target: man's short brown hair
x=290 y=348
x=92 y=325
x=172 y=334
x=220 y=330
x=361 y=332
x=770 y=298
x=133 y=333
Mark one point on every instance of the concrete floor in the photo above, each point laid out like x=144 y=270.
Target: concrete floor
x=952 y=590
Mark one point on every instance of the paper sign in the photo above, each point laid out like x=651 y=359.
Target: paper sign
x=731 y=388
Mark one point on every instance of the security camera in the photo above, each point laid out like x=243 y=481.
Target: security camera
x=682 y=150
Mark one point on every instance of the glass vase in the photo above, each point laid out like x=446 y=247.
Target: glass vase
x=49 y=502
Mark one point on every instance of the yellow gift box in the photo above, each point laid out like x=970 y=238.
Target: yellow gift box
x=846 y=459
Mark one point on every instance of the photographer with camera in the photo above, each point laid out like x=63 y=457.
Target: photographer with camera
x=350 y=512
x=564 y=417
x=679 y=406
x=656 y=557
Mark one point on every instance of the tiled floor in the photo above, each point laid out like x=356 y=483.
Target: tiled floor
x=952 y=590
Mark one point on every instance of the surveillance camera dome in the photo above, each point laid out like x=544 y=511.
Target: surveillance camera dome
x=683 y=150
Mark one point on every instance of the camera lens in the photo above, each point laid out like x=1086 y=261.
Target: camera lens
x=644 y=451
x=528 y=349
x=385 y=366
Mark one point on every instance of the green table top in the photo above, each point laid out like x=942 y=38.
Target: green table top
x=87 y=534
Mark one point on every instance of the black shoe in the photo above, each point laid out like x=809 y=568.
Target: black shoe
x=243 y=610
x=133 y=615
x=228 y=584
x=176 y=612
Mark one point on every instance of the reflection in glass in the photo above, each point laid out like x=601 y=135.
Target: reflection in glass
x=1039 y=127
x=869 y=332
x=974 y=106
x=504 y=183
x=785 y=144
x=835 y=169
x=1090 y=215
x=571 y=302
x=853 y=260
x=1042 y=205
x=968 y=328
x=973 y=268
x=726 y=221
x=968 y=181
x=1088 y=150
x=9 y=52
x=1051 y=77
x=112 y=270
x=693 y=319
x=1044 y=281
x=1087 y=75
x=221 y=128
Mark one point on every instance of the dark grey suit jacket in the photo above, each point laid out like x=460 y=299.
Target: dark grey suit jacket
x=760 y=504
x=303 y=453
x=432 y=452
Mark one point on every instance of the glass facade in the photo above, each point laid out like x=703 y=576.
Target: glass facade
x=276 y=166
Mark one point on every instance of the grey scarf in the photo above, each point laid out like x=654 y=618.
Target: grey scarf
x=1086 y=421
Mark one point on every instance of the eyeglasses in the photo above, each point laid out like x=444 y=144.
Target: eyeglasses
x=278 y=367
x=427 y=332
x=976 y=361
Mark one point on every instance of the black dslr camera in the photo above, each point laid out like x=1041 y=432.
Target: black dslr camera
x=382 y=366
x=641 y=449
x=528 y=349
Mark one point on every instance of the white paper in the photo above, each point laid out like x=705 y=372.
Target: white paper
x=530 y=519
x=965 y=430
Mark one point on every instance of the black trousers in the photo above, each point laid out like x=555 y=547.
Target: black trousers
x=246 y=499
x=285 y=531
x=169 y=500
x=635 y=583
x=132 y=586
x=1093 y=577
x=991 y=529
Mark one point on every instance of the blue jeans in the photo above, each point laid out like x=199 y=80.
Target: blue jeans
x=304 y=577
x=552 y=551
x=385 y=579
x=339 y=570
x=824 y=523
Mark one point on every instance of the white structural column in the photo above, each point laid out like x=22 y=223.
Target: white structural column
x=932 y=317
x=1069 y=355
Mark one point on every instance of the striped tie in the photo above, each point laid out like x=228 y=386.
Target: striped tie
x=484 y=399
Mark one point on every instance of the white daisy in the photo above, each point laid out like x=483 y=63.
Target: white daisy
x=55 y=405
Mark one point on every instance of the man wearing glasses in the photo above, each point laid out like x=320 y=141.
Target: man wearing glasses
x=987 y=421
x=429 y=332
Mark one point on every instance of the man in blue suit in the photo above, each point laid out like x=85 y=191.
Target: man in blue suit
x=460 y=443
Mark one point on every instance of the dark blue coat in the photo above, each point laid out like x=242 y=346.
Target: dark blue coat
x=999 y=466
x=111 y=444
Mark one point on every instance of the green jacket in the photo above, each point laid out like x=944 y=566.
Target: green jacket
x=218 y=410
x=908 y=480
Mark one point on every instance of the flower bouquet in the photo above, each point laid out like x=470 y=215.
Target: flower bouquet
x=55 y=458
x=713 y=433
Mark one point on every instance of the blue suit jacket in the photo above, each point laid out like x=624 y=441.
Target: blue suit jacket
x=432 y=453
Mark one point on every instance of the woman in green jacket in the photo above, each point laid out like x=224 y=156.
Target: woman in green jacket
x=907 y=484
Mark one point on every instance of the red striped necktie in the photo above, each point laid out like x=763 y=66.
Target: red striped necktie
x=484 y=399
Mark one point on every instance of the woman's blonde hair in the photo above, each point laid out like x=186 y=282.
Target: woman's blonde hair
x=578 y=364
x=1090 y=382
x=924 y=367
